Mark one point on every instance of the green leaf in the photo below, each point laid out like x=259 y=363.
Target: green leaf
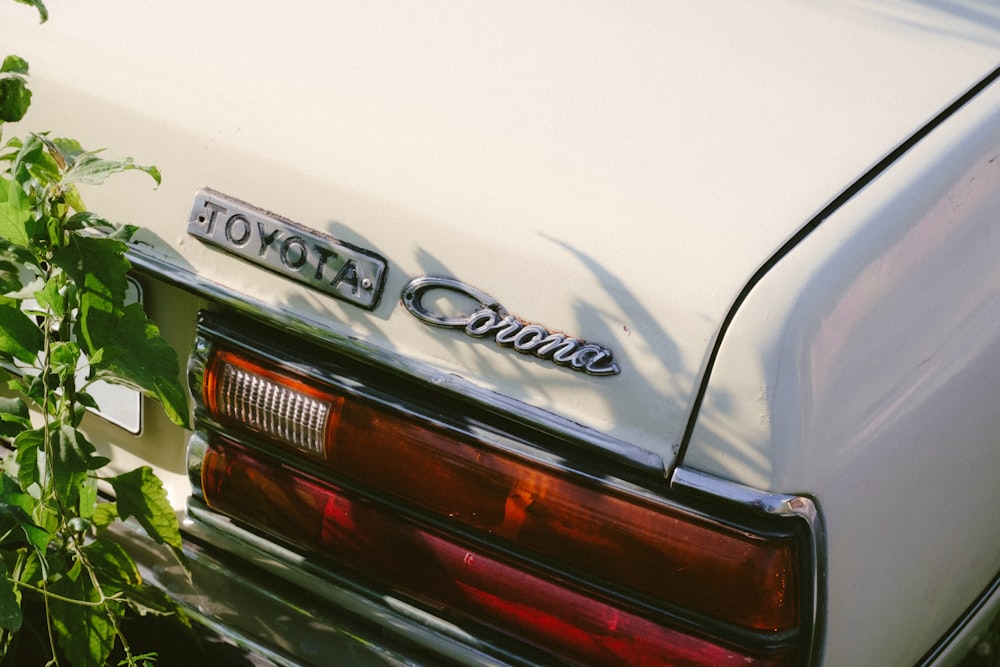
x=10 y=276
x=77 y=451
x=142 y=660
x=115 y=568
x=12 y=494
x=33 y=160
x=15 y=98
x=35 y=535
x=72 y=459
x=104 y=515
x=140 y=494
x=13 y=222
x=87 y=220
x=31 y=386
x=29 y=446
x=14 y=416
x=7 y=154
x=99 y=269
x=50 y=297
x=16 y=510
x=91 y=169
x=20 y=338
x=87 y=400
x=85 y=633
x=17 y=384
x=63 y=358
x=143 y=360
x=69 y=149
x=72 y=195
x=10 y=605
x=124 y=233
x=35 y=569
x=21 y=273
x=151 y=600
x=88 y=498
x=15 y=64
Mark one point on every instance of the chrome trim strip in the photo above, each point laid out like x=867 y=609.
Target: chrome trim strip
x=233 y=635
x=224 y=331
x=770 y=503
x=283 y=628
x=339 y=338
x=962 y=636
x=686 y=480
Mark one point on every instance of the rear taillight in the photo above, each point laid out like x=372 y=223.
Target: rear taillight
x=595 y=572
x=275 y=405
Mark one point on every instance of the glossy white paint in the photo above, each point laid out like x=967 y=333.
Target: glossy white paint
x=863 y=370
x=615 y=174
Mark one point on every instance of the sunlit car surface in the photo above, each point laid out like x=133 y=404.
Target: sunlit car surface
x=541 y=333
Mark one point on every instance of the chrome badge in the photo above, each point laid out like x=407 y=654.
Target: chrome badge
x=318 y=260
x=492 y=319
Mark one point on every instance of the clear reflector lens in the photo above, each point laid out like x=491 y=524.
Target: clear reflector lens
x=273 y=405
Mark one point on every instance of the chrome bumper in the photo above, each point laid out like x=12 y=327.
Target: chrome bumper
x=259 y=601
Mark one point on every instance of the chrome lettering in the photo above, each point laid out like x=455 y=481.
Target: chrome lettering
x=239 y=222
x=213 y=211
x=480 y=323
x=320 y=261
x=266 y=238
x=530 y=338
x=348 y=276
x=490 y=318
x=294 y=253
x=551 y=344
x=566 y=352
x=324 y=255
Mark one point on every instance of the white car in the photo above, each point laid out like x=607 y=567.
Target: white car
x=542 y=333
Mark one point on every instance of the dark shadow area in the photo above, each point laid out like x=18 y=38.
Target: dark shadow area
x=176 y=644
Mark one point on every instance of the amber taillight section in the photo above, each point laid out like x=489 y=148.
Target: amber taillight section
x=284 y=409
x=592 y=572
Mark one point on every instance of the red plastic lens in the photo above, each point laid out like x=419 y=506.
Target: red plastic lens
x=464 y=580
x=627 y=540
x=623 y=541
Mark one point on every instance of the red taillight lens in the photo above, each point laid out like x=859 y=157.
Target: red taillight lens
x=466 y=580
x=616 y=560
x=624 y=539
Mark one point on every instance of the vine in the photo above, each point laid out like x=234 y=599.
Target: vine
x=65 y=324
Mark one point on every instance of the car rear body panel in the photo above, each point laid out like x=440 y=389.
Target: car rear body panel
x=614 y=175
x=702 y=191
x=871 y=387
